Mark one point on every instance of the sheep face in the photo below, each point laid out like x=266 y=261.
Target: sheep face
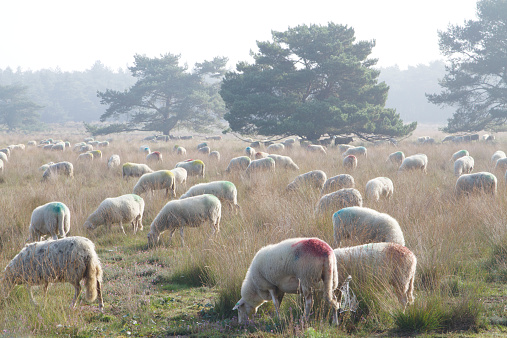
x=152 y=239
x=7 y=283
x=89 y=225
x=245 y=310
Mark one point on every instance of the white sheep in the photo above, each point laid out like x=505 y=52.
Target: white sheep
x=58 y=147
x=85 y=157
x=338 y=182
x=284 y=162
x=114 y=161
x=238 y=164
x=464 y=165
x=266 y=164
x=459 y=154
x=97 y=154
x=356 y=151
x=347 y=197
x=378 y=261
x=1 y=166
x=214 y=156
x=314 y=179
x=316 y=148
x=51 y=219
x=204 y=150
x=379 y=187
x=154 y=156
x=189 y=212
x=497 y=155
x=291 y=266
x=6 y=151
x=396 y=158
x=481 y=182
x=44 y=166
x=261 y=154
x=4 y=157
x=350 y=162
x=180 y=175
x=157 y=180
x=135 y=169
x=275 y=148
x=414 y=162
x=69 y=259
x=193 y=167
x=225 y=191
x=125 y=208
x=344 y=147
x=60 y=168
x=501 y=165
x=366 y=225
x=181 y=151
x=250 y=152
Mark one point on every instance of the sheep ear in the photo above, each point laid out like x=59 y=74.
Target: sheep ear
x=238 y=304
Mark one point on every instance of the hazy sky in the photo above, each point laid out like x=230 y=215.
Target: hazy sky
x=73 y=34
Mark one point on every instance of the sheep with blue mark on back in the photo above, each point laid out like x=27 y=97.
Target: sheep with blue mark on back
x=379 y=187
x=51 y=219
x=481 y=182
x=157 y=180
x=189 y=212
x=291 y=266
x=69 y=259
x=366 y=225
x=463 y=165
x=250 y=152
x=225 y=191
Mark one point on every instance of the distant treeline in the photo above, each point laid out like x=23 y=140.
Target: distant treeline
x=72 y=96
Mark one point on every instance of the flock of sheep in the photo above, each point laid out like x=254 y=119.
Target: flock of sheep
x=291 y=266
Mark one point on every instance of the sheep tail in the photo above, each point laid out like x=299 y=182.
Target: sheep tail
x=330 y=279
x=93 y=274
x=61 y=223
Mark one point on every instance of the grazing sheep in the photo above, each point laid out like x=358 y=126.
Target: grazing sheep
x=4 y=157
x=97 y=154
x=464 y=165
x=144 y=149
x=482 y=182
x=414 y=162
x=238 y=164
x=261 y=154
x=193 y=167
x=448 y=138
x=69 y=259
x=344 y=147
x=85 y=148
x=114 y=161
x=125 y=208
x=135 y=169
x=490 y=138
x=189 y=212
x=379 y=187
x=371 y=262
x=103 y=144
x=154 y=156
x=250 y=152
x=6 y=151
x=58 y=147
x=338 y=182
x=202 y=145
x=44 y=166
x=266 y=164
x=51 y=219
x=291 y=266
x=180 y=175
x=275 y=148
x=356 y=151
x=497 y=155
x=459 y=154
x=314 y=179
x=501 y=164
x=284 y=162
x=181 y=151
x=214 y=156
x=316 y=148
x=85 y=157
x=204 y=150
x=60 y=168
x=225 y=191
x=157 y=180
x=350 y=162
x=347 y=197
x=31 y=143
x=396 y=158
x=366 y=225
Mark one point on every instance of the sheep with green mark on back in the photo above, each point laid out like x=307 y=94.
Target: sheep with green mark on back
x=51 y=219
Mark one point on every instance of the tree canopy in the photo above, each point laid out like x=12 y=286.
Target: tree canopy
x=476 y=77
x=311 y=81
x=16 y=110
x=164 y=96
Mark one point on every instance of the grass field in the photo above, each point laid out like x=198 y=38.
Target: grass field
x=461 y=246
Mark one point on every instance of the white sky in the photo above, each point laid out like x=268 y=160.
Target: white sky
x=73 y=34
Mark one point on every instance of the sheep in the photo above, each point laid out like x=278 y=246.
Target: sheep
x=501 y=164
x=261 y=154
x=52 y=219
x=250 y=152
x=474 y=183
x=103 y=144
x=135 y=169
x=6 y=151
x=367 y=225
x=31 y=143
x=350 y=162
x=459 y=154
x=260 y=165
x=396 y=158
x=189 y=212
x=390 y=261
x=44 y=166
x=290 y=266
x=356 y=151
x=97 y=154
x=314 y=179
x=125 y=208
x=180 y=175
x=114 y=161
x=202 y=145
x=418 y=161
x=214 y=156
x=193 y=167
x=69 y=259
x=379 y=187
x=337 y=200
x=181 y=151
x=1 y=167
x=58 y=147
x=338 y=182
x=284 y=162
x=204 y=150
x=316 y=148
x=464 y=165
x=85 y=148
x=85 y=157
x=238 y=164
x=157 y=180
x=225 y=191
x=275 y=148
x=4 y=157
x=60 y=168
x=144 y=149
x=497 y=155
x=154 y=156
x=344 y=147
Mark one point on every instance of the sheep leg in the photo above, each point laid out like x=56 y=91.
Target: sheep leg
x=30 y=294
x=99 y=296
x=171 y=235
x=181 y=235
x=307 y=293
x=121 y=226
x=77 y=287
x=134 y=226
x=45 y=288
x=275 y=301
